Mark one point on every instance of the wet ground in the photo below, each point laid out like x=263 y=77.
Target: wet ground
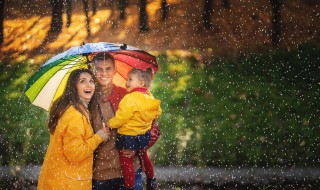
x=195 y=178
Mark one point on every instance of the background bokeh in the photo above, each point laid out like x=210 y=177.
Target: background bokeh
x=238 y=89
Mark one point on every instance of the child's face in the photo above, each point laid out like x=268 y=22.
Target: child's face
x=133 y=82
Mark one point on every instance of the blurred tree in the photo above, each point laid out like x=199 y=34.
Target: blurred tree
x=276 y=27
x=69 y=9
x=56 y=22
x=94 y=7
x=207 y=13
x=86 y=11
x=143 y=25
x=264 y=113
x=226 y=4
x=112 y=6
x=122 y=7
x=1 y=20
x=23 y=131
x=4 y=157
x=164 y=10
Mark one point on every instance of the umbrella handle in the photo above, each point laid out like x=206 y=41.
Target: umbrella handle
x=87 y=54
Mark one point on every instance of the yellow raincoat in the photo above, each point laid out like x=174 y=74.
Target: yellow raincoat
x=69 y=158
x=135 y=114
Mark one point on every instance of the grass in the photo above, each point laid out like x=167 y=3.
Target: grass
x=260 y=110
x=256 y=111
x=23 y=126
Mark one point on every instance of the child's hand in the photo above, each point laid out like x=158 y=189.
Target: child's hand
x=106 y=130
x=129 y=153
x=107 y=125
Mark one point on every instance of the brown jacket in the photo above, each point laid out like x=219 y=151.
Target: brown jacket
x=106 y=163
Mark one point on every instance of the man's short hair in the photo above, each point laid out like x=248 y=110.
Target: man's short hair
x=102 y=57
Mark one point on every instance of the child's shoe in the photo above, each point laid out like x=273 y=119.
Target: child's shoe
x=151 y=184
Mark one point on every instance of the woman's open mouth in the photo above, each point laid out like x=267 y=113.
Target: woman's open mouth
x=88 y=91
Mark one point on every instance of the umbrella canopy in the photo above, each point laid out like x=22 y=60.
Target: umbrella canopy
x=49 y=82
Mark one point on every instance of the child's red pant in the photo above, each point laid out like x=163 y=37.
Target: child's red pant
x=128 y=169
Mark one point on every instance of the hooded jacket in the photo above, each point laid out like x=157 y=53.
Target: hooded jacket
x=135 y=114
x=69 y=158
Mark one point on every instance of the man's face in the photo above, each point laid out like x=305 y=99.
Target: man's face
x=104 y=72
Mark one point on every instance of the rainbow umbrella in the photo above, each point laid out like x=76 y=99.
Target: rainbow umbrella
x=49 y=82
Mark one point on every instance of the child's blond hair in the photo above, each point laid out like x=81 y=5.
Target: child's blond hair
x=146 y=76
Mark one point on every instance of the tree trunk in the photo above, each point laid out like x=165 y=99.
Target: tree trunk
x=164 y=9
x=1 y=20
x=143 y=24
x=122 y=7
x=226 y=4
x=86 y=11
x=207 y=14
x=69 y=13
x=276 y=26
x=56 y=22
x=94 y=7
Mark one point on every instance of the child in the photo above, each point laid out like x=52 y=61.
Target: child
x=133 y=120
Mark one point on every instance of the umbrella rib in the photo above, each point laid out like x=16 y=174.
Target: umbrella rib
x=63 y=65
x=135 y=58
x=75 y=58
x=121 y=75
x=71 y=66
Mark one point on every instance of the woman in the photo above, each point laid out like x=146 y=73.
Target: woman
x=69 y=158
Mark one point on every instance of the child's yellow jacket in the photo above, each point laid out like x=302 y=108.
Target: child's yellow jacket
x=69 y=158
x=135 y=114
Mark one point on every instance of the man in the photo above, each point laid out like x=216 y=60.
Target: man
x=106 y=165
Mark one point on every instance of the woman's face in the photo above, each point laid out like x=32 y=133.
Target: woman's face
x=85 y=87
x=133 y=82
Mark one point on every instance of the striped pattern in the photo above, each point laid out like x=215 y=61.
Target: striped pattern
x=47 y=84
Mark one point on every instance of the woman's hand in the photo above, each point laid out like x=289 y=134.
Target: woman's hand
x=129 y=153
x=104 y=133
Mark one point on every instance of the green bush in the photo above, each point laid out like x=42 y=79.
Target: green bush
x=261 y=110
x=23 y=126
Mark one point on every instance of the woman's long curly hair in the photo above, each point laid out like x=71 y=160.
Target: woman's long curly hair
x=69 y=97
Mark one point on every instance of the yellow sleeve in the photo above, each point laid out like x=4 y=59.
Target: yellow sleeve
x=159 y=112
x=124 y=112
x=75 y=147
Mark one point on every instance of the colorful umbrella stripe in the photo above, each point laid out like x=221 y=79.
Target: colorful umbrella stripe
x=47 y=84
